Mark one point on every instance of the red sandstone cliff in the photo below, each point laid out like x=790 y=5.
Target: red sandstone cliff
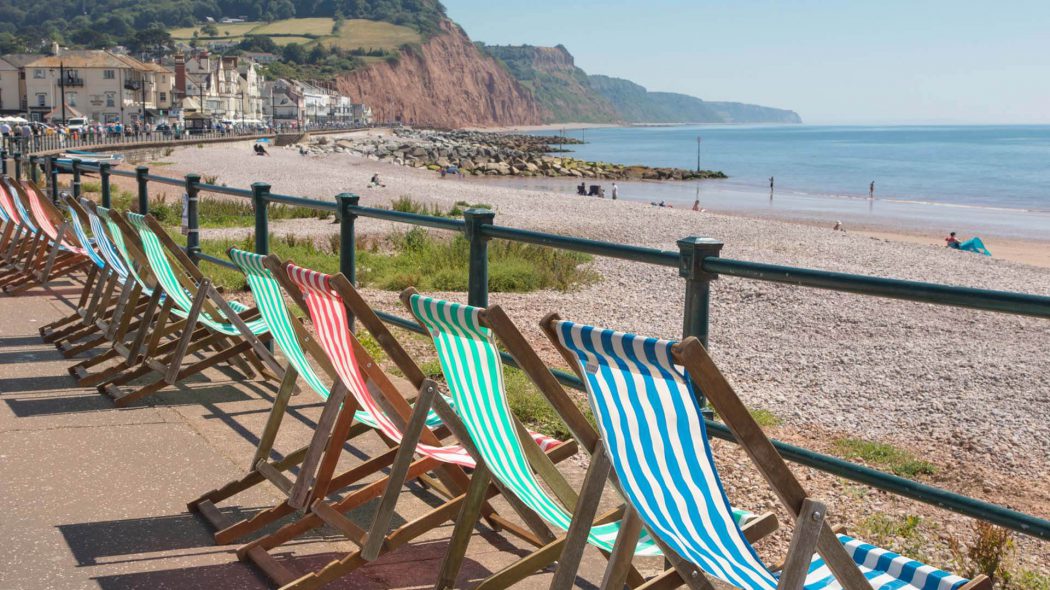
x=447 y=83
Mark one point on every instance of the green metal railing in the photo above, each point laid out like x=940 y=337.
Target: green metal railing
x=698 y=263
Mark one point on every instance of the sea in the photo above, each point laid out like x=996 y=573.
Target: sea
x=971 y=179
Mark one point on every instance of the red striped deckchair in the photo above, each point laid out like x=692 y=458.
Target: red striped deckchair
x=327 y=298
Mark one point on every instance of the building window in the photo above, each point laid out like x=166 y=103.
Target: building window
x=109 y=100
x=41 y=100
x=109 y=74
x=71 y=99
x=39 y=74
x=163 y=97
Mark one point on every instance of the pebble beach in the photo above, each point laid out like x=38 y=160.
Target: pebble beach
x=967 y=390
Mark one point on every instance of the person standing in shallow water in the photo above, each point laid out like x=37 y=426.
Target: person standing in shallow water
x=615 y=191
x=871 y=190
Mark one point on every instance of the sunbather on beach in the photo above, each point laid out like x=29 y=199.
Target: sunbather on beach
x=951 y=241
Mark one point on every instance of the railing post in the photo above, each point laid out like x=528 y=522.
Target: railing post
x=347 y=240
x=3 y=161
x=76 y=178
x=260 y=198
x=478 y=277
x=103 y=175
x=692 y=252
x=53 y=177
x=34 y=169
x=18 y=165
x=193 y=238
x=140 y=175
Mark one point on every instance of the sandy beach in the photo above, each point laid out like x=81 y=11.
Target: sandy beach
x=966 y=390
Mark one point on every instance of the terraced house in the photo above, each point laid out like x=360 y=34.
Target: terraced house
x=226 y=88
x=13 y=82
x=104 y=86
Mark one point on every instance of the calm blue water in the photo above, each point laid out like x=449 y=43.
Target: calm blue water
x=991 y=166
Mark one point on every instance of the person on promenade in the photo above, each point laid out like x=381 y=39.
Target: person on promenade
x=615 y=191
x=951 y=241
x=871 y=190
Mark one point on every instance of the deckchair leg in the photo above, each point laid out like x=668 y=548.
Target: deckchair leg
x=623 y=551
x=808 y=524
x=191 y=320
x=273 y=423
x=396 y=479
x=465 y=522
x=300 y=495
x=583 y=520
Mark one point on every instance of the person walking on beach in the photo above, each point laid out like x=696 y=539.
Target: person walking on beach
x=871 y=190
x=615 y=191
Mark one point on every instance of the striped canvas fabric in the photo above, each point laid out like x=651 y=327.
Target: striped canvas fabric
x=105 y=247
x=48 y=227
x=7 y=202
x=471 y=363
x=651 y=425
x=165 y=274
x=82 y=237
x=328 y=313
x=4 y=216
x=270 y=301
x=122 y=249
x=23 y=215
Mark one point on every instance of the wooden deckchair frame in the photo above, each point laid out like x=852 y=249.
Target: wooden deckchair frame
x=583 y=504
x=172 y=368
x=411 y=422
x=36 y=259
x=44 y=259
x=100 y=308
x=309 y=484
x=812 y=532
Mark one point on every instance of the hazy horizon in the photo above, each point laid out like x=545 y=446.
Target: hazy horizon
x=897 y=63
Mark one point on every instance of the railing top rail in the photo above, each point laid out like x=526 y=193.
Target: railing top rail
x=955 y=296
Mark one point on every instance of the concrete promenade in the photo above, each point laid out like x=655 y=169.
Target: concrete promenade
x=92 y=496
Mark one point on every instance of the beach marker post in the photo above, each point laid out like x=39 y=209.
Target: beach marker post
x=478 y=274
x=141 y=172
x=347 y=241
x=193 y=236
x=103 y=174
x=76 y=179
x=260 y=200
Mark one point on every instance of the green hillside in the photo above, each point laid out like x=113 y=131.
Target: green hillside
x=31 y=26
x=562 y=89
x=568 y=94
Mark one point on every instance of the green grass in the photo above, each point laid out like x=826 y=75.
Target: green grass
x=406 y=204
x=429 y=264
x=416 y=259
x=213 y=213
x=898 y=461
x=529 y=405
x=354 y=33
x=764 y=418
x=900 y=534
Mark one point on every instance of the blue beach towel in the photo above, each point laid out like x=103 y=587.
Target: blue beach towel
x=974 y=245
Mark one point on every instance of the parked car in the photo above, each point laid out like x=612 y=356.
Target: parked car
x=78 y=124
x=164 y=128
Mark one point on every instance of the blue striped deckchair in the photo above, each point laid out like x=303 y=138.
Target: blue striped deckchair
x=192 y=297
x=329 y=299
x=41 y=251
x=96 y=305
x=289 y=337
x=470 y=360
x=642 y=393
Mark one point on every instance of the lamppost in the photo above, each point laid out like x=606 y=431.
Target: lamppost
x=62 y=88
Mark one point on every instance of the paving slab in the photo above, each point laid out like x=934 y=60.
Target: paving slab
x=93 y=496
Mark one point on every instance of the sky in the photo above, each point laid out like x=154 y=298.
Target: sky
x=844 y=62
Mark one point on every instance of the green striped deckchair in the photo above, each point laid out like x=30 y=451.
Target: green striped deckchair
x=190 y=296
x=289 y=336
x=329 y=300
x=473 y=367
